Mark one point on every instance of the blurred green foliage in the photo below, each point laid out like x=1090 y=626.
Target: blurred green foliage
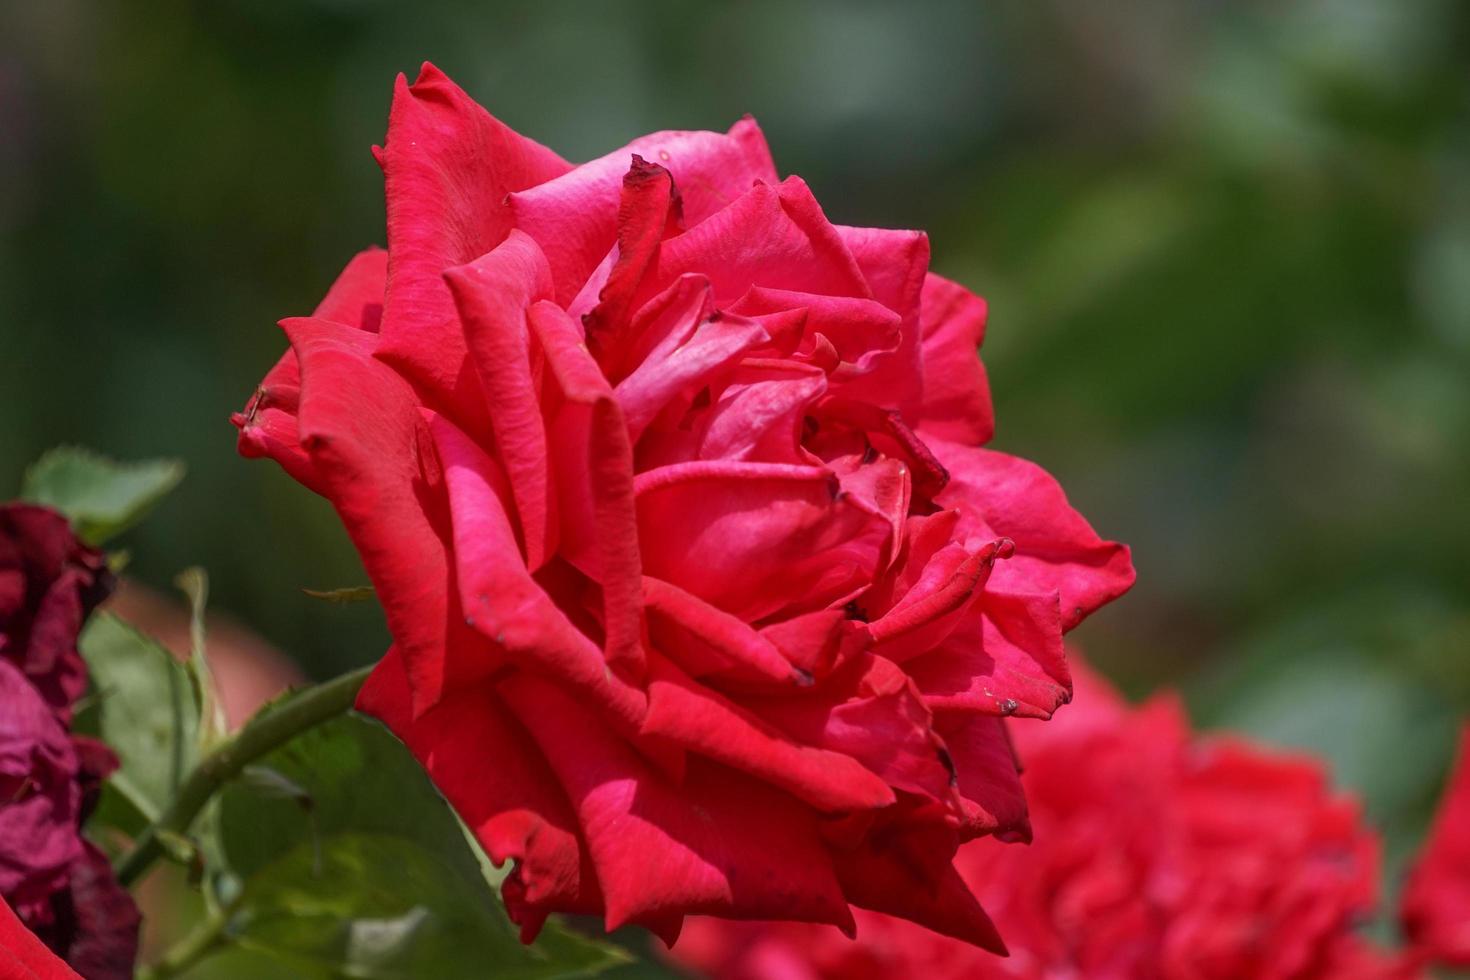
x=1226 y=246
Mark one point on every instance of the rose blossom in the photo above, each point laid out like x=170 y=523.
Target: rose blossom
x=1156 y=855
x=40 y=799
x=49 y=583
x=703 y=597
x=1435 y=905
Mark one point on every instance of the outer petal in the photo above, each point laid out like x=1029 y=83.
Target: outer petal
x=1056 y=550
x=893 y=263
x=361 y=427
x=23 y=956
x=448 y=166
x=573 y=217
x=721 y=843
x=956 y=391
x=1007 y=660
x=268 y=423
x=494 y=295
x=882 y=878
x=1435 y=908
x=494 y=775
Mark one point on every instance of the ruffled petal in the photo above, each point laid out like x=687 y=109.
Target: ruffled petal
x=494 y=295
x=956 y=390
x=503 y=602
x=448 y=166
x=361 y=427
x=574 y=216
x=594 y=474
x=703 y=721
x=1056 y=549
x=659 y=849
x=268 y=422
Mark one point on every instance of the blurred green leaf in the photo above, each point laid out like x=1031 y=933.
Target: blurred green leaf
x=149 y=712
x=102 y=497
x=345 y=860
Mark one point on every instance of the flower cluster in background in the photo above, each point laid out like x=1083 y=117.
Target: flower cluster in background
x=1157 y=854
x=59 y=883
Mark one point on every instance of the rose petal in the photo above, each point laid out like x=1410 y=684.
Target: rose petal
x=448 y=166
x=1056 y=549
x=956 y=391
x=659 y=849
x=705 y=525
x=361 y=427
x=573 y=216
x=493 y=295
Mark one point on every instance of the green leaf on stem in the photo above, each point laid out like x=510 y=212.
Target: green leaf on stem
x=342 y=857
x=148 y=712
x=101 y=497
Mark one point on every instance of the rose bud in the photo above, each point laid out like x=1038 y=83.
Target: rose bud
x=1157 y=854
x=49 y=583
x=704 y=597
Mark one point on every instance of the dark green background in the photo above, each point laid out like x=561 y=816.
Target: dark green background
x=1226 y=245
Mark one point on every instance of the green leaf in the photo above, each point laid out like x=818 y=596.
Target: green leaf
x=148 y=711
x=341 y=857
x=101 y=497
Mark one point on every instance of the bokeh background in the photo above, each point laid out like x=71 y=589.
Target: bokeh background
x=1226 y=247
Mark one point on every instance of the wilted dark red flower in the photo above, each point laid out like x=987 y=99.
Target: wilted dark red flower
x=93 y=922
x=1436 y=900
x=23 y=956
x=40 y=799
x=705 y=597
x=1156 y=855
x=49 y=583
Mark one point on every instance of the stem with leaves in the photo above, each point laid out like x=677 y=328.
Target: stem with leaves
x=262 y=734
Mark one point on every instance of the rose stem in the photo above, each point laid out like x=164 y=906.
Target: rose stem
x=260 y=735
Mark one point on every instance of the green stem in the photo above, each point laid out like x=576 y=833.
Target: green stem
x=202 y=940
x=260 y=735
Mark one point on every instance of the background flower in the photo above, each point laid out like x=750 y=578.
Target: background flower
x=1156 y=854
x=49 y=583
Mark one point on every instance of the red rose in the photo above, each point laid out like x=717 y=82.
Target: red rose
x=23 y=956
x=49 y=583
x=704 y=599
x=1436 y=900
x=40 y=799
x=1156 y=855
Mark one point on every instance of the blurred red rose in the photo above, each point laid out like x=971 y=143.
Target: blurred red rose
x=1156 y=855
x=23 y=956
x=49 y=583
x=40 y=798
x=704 y=598
x=1436 y=901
